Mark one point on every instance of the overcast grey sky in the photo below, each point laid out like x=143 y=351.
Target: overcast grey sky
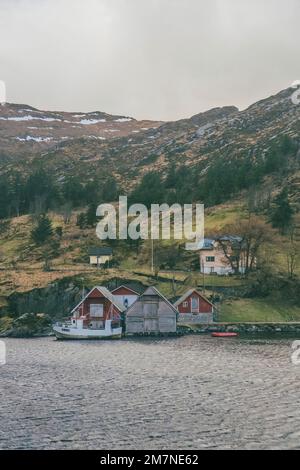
x=158 y=59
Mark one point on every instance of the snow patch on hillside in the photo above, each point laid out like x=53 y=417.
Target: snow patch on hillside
x=29 y=138
x=28 y=118
x=123 y=120
x=203 y=129
x=88 y=122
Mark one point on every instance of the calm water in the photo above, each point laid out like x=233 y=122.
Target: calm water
x=190 y=392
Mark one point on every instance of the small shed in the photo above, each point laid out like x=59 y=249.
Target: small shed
x=125 y=295
x=194 y=307
x=151 y=313
x=100 y=255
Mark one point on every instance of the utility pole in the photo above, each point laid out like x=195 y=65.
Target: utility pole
x=82 y=295
x=152 y=255
x=203 y=273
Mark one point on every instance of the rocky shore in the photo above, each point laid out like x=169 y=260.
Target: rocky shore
x=29 y=325
x=32 y=325
x=262 y=328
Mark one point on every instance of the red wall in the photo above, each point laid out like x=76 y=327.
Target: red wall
x=123 y=291
x=95 y=297
x=204 y=305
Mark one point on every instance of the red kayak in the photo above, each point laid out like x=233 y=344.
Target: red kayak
x=224 y=335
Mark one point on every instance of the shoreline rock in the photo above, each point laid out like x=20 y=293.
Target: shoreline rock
x=28 y=325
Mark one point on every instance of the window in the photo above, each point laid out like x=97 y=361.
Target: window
x=185 y=304
x=96 y=310
x=210 y=259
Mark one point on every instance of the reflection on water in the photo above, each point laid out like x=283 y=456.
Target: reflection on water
x=189 y=392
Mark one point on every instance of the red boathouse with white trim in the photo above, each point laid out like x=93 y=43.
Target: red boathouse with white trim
x=193 y=306
x=96 y=307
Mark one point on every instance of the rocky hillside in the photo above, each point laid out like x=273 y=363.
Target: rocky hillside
x=86 y=144
x=25 y=130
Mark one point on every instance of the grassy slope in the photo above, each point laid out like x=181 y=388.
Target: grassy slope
x=22 y=266
x=256 y=310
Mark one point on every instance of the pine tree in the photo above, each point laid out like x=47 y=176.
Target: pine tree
x=110 y=190
x=91 y=217
x=81 y=220
x=149 y=191
x=282 y=212
x=42 y=231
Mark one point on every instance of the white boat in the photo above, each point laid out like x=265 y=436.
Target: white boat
x=75 y=329
x=96 y=316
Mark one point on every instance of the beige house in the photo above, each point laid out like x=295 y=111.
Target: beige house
x=100 y=256
x=213 y=260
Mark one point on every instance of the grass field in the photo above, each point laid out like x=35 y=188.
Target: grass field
x=257 y=310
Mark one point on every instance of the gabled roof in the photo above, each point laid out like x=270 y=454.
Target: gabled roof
x=100 y=251
x=125 y=287
x=231 y=238
x=152 y=291
x=208 y=244
x=187 y=294
x=107 y=294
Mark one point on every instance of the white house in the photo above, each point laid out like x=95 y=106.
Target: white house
x=213 y=260
x=100 y=256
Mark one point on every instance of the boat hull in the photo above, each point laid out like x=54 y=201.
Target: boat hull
x=224 y=335
x=76 y=333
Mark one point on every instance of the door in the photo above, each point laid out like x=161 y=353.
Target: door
x=151 y=325
x=195 y=304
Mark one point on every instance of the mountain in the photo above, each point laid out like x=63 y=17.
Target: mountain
x=25 y=130
x=88 y=144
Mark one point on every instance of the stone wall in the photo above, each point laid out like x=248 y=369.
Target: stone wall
x=265 y=328
x=184 y=318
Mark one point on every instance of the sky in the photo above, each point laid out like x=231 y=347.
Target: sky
x=150 y=59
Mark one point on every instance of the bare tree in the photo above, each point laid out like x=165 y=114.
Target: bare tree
x=38 y=206
x=259 y=198
x=292 y=255
x=243 y=241
x=66 y=212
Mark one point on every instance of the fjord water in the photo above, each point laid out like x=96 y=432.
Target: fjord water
x=192 y=392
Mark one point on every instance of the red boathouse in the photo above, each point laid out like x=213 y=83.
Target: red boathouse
x=193 y=306
x=96 y=307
